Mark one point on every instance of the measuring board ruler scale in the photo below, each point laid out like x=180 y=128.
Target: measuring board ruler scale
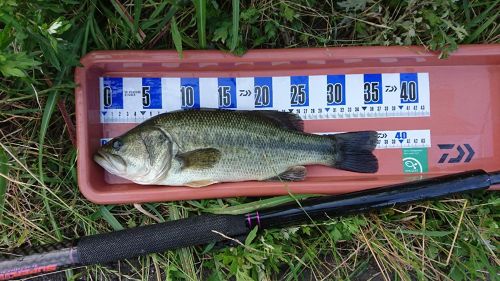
x=315 y=97
x=386 y=139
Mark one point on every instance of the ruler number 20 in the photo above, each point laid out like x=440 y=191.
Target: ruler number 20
x=262 y=95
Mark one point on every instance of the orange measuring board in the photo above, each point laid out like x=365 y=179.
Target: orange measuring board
x=434 y=116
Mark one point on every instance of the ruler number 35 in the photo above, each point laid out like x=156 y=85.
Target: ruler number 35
x=371 y=90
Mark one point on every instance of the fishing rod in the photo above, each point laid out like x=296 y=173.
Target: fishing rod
x=205 y=229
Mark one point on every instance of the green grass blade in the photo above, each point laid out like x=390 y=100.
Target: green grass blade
x=137 y=15
x=201 y=20
x=158 y=10
x=481 y=29
x=176 y=37
x=258 y=205
x=4 y=172
x=185 y=255
x=109 y=218
x=236 y=24
x=47 y=114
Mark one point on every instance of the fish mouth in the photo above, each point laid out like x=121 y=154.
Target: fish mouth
x=112 y=163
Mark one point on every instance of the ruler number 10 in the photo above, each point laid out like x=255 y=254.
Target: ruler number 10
x=187 y=96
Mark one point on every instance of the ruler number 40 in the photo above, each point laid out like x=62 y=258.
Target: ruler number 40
x=408 y=91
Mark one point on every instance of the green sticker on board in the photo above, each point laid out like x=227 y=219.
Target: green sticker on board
x=415 y=160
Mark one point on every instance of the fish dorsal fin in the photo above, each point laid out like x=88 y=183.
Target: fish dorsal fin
x=285 y=120
x=203 y=158
x=295 y=173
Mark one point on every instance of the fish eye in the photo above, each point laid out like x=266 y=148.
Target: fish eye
x=117 y=144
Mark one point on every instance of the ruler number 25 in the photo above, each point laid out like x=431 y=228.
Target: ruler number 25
x=298 y=94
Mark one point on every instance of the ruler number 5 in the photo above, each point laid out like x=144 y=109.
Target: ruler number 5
x=146 y=96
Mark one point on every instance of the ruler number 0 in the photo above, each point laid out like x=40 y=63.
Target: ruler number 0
x=187 y=96
x=334 y=93
x=106 y=98
x=262 y=97
x=371 y=92
x=146 y=96
x=298 y=94
x=224 y=96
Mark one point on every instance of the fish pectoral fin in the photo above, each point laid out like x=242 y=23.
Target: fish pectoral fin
x=198 y=159
x=200 y=183
x=295 y=173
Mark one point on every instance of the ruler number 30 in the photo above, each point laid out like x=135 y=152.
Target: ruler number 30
x=334 y=93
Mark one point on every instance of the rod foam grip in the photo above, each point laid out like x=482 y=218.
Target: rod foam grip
x=160 y=237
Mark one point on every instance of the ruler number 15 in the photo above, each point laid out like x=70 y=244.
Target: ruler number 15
x=224 y=96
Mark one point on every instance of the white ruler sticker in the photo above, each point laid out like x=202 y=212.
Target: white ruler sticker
x=371 y=95
x=387 y=139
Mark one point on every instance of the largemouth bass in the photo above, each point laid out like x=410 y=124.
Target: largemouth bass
x=199 y=148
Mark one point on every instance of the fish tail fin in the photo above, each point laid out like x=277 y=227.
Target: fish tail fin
x=354 y=151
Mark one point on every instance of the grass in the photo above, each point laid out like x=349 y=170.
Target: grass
x=42 y=41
